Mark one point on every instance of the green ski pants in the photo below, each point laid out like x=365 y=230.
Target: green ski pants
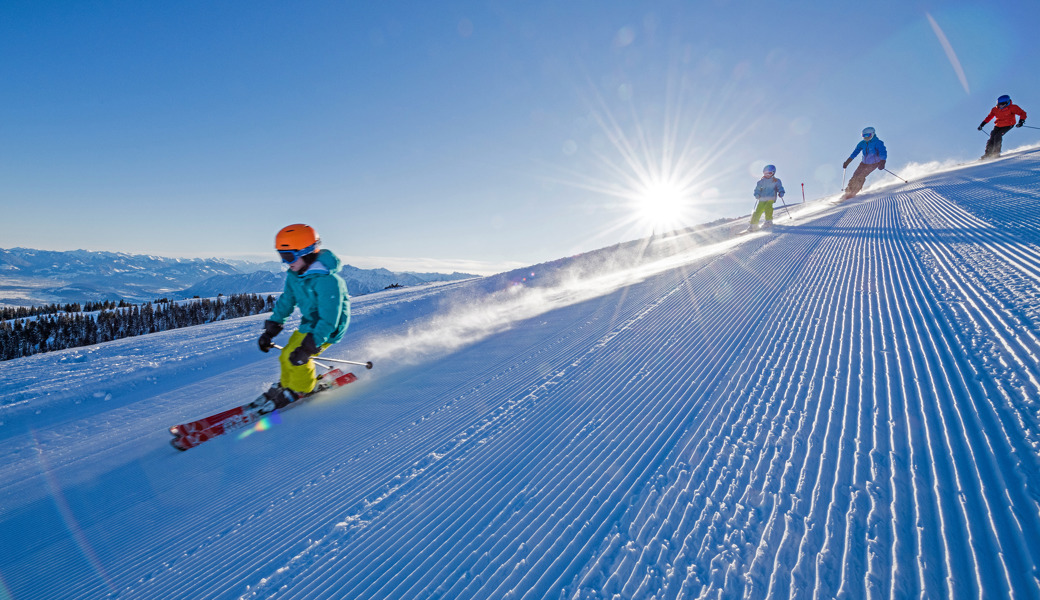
x=765 y=207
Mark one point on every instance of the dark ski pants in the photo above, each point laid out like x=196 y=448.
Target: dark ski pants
x=859 y=178
x=996 y=138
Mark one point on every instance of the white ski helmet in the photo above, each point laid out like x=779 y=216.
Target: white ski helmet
x=769 y=169
x=868 y=132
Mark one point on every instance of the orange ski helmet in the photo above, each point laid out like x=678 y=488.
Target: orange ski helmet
x=294 y=241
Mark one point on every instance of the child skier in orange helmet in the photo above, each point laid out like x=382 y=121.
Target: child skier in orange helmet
x=312 y=283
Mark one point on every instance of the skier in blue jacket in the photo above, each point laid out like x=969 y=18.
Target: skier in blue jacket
x=312 y=283
x=874 y=156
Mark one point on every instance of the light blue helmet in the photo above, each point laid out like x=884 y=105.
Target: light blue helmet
x=769 y=169
x=868 y=132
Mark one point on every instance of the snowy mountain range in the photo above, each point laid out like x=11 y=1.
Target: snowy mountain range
x=845 y=406
x=359 y=281
x=39 y=277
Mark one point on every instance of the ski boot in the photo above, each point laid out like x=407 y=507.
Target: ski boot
x=767 y=225
x=274 y=398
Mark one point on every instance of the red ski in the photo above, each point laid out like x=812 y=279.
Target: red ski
x=189 y=435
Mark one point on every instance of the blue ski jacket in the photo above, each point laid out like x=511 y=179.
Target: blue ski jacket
x=322 y=297
x=873 y=151
x=768 y=189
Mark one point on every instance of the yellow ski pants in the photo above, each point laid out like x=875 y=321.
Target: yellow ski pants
x=298 y=378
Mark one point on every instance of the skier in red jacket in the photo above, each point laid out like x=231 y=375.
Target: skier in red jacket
x=1004 y=113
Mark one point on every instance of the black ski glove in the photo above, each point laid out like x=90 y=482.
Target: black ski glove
x=271 y=329
x=845 y=165
x=1021 y=122
x=981 y=126
x=304 y=351
x=881 y=165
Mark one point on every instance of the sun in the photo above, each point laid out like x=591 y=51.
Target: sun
x=661 y=205
x=654 y=168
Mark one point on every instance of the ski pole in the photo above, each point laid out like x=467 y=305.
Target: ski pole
x=1030 y=127
x=843 y=169
x=367 y=365
x=322 y=365
x=803 y=193
x=753 y=212
x=785 y=208
x=897 y=176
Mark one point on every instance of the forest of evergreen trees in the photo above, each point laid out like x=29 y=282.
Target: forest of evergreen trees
x=46 y=329
x=20 y=312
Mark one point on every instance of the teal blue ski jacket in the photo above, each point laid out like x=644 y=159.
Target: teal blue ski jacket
x=322 y=297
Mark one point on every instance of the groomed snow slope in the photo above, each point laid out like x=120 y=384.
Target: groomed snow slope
x=844 y=407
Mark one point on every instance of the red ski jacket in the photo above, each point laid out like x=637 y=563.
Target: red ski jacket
x=1005 y=117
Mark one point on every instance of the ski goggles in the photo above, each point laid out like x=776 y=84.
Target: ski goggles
x=867 y=136
x=291 y=256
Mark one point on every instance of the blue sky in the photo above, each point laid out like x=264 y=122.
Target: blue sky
x=469 y=135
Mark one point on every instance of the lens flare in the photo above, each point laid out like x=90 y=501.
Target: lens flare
x=950 y=54
x=78 y=535
x=264 y=424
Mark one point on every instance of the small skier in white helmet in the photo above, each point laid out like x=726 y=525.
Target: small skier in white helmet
x=874 y=156
x=767 y=190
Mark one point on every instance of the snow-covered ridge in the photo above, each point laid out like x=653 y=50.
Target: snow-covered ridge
x=45 y=277
x=846 y=406
x=359 y=281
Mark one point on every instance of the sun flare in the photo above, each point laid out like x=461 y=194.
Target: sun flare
x=655 y=166
x=661 y=205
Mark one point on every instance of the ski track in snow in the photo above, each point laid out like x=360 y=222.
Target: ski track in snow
x=846 y=407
